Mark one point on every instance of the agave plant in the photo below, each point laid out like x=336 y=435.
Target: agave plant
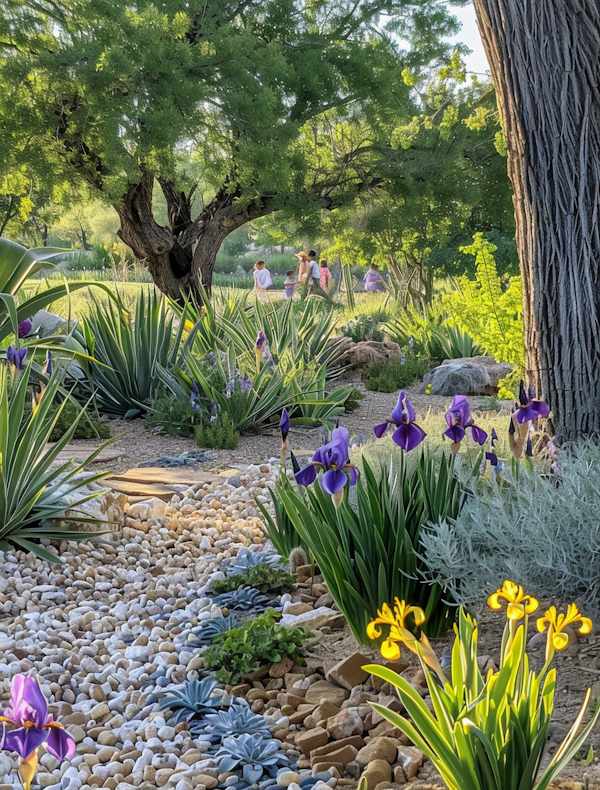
x=134 y=355
x=254 y=755
x=245 y=599
x=246 y=558
x=195 y=698
x=211 y=629
x=32 y=506
x=237 y=720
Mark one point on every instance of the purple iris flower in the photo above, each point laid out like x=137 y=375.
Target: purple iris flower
x=284 y=424
x=16 y=357
x=25 y=328
x=195 y=396
x=29 y=714
x=528 y=408
x=47 y=370
x=408 y=434
x=260 y=341
x=333 y=459
x=459 y=419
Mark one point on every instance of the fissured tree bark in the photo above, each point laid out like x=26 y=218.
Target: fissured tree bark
x=181 y=256
x=544 y=57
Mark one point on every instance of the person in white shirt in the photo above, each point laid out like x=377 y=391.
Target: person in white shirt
x=262 y=276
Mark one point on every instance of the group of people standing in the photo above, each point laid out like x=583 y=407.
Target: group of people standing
x=314 y=276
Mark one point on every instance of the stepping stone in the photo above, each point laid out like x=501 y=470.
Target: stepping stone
x=149 y=481
x=79 y=453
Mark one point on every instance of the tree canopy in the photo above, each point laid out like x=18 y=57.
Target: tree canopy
x=236 y=108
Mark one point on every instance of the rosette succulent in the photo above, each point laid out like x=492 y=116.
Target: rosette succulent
x=251 y=755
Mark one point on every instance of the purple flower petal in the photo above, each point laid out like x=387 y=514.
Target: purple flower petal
x=523 y=396
x=455 y=433
x=60 y=744
x=492 y=458
x=542 y=408
x=381 y=429
x=459 y=412
x=478 y=434
x=398 y=412
x=28 y=702
x=353 y=474
x=527 y=413
x=25 y=740
x=333 y=481
x=307 y=475
x=284 y=423
x=409 y=436
x=24 y=328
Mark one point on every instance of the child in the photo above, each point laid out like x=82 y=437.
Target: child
x=262 y=276
x=374 y=282
x=324 y=275
x=289 y=283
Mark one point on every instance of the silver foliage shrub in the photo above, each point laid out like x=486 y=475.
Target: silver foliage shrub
x=538 y=531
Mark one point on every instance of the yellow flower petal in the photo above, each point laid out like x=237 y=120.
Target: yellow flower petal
x=494 y=601
x=390 y=650
x=419 y=615
x=586 y=626
x=373 y=632
x=560 y=640
x=542 y=624
x=532 y=605
x=515 y=611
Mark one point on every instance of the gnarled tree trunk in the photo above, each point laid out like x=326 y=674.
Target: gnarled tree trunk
x=544 y=57
x=181 y=256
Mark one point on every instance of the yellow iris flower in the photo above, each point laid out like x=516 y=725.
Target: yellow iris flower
x=556 y=623
x=397 y=623
x=519 y=603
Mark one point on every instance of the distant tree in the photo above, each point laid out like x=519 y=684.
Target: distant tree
x=544 y=57
x=119 y=95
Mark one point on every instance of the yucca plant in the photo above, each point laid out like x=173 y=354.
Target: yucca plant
x=369 y=554
x=485 y=733
x=30 y=498
x=133 y=355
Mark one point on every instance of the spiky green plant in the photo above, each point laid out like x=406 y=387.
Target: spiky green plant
x=29 y=502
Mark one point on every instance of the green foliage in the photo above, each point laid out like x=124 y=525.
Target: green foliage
x=257 y=642
x=280 y=527
x=220 y=434
x=363 y=327
x=491 y=313
x=486 y=733
x=31 y=509
x=431 y=334
x=87 y=425
x=175 y=415
x=370 y=554
x=392 y=375
x=534 y=527
x=262 y=577
x=133 y=355
x=352 y=402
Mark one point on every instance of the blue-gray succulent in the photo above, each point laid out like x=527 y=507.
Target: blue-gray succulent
x=245 y=599
x=210 y=629
x=192 y=700
x=237 y=720
x=253 y=755
x=246 y=558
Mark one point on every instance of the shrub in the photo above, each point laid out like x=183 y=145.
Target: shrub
x=87 y=424
x=490 y=312
x=175 y=415
x=219 y=434
x=430 y=334
x=487 y=733
x=539 y=529
x=33 y=486
x=392 y=375
x=370 y=554
x=263 y=577
x=134 y=356
x=363 y=327
x=256 y=642
x=352 y=401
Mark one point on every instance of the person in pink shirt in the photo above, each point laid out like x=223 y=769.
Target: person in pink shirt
x=324 y=275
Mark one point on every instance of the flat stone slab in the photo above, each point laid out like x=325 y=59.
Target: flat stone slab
x=79 y=453
x=149 y=481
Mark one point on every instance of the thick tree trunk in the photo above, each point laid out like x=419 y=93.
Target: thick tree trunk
x=181 y=256
x=545 y=61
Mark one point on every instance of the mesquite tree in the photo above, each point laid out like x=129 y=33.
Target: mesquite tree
x=213 y=102
x=545 y=61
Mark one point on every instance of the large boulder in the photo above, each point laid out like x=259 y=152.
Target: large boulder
x=466 y=376
x=359 y=356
